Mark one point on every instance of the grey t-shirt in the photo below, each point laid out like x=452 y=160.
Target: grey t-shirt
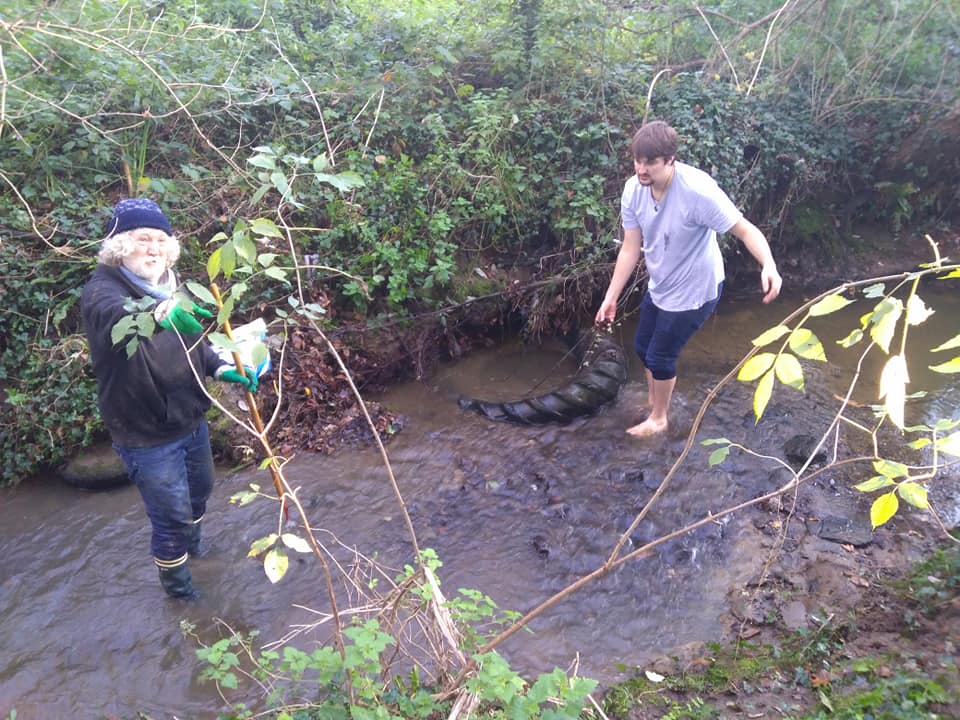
x=680 y=236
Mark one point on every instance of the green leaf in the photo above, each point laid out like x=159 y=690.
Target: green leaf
x=296 y=543
x=245 y=247
x=122 y=328
x=914 y=494
x=807 y=345
x=950 y=444
x=890 y=469
x=219 y=340
x=852 y=339
x=755 y=367
x=875 y=483
x=919 y=443
x=953 y=274
x=917 y=310
x=266 y=228
x=715 y=441
x=789 y=371
x=276 y=273
x=265 y=163
x=947 y=368
x=201 y=293
x=874 y=291
x=883 y=508
x=347 y=180
x=266 y=259
x=762 y=394
x=893 y=388
x=829 y=305
x=275 y=564
x=213 y=264
x=719 y=455
x=771 y=335
x=950 y=344
x=228 y=260
x=258 y=546
x=884 y=321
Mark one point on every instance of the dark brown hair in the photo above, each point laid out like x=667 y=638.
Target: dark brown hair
x=655 y=139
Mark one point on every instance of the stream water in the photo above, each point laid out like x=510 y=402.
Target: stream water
x=517 y=512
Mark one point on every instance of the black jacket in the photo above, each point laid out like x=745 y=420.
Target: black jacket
x=153 y=397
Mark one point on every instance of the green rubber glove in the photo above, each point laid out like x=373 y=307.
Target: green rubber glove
x=249 y=381
x=171 y=315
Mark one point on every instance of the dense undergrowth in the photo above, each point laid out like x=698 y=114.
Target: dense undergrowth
x=431 y=153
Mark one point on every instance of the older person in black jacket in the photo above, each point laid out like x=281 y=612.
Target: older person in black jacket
x=152 y=402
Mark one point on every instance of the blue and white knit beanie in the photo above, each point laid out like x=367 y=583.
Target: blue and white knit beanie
x=134 y=213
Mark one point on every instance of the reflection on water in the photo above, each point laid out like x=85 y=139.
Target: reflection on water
x=517 y=512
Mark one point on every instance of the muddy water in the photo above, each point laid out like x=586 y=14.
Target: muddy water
x=516 y=512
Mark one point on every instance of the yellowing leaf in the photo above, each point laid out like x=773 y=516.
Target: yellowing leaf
x=893 y=388
x=917 y=310
x=213 y=265
x=852 y=339
x=829 y=304
x=950 y=344
x=258 y=546
x=265 y=227
x=755 y=367
x=296 y=543
x=769 y=336
x=950 y=444
x=762 y=394
x=275 y=564
x=914 y=494
x=874 y=483
x=947 y=368
x=883 y=508
x=807 y=345
x=789 y=371
x=890 y=469
x=884 y=319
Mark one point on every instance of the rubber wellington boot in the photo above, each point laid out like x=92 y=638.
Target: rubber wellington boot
x=177 y=582
x=196 y=545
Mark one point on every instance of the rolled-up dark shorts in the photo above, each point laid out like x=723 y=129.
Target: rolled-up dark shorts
x=662 y=334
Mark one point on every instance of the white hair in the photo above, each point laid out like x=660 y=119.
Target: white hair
x=116 y=247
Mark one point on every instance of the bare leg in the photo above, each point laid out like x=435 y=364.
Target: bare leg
x=660 y=393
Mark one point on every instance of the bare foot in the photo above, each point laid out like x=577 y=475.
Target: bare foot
x=648 y=428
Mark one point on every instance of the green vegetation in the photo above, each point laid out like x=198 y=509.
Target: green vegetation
x=407 y=145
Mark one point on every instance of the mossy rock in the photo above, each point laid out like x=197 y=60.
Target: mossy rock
x=97 y=467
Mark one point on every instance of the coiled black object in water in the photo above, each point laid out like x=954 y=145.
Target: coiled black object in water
x=603 y=371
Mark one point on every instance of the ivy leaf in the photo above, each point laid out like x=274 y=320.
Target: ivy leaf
x=755 y=367
x=893 y=388
x=789 y=371
x=883 y=508
x=917 y=310
x=807 y=345
x=762 y=395
x=275 y=564
x=914 y=494
x=875 y=483
x=769 y=336
x=829 y=305
x=947 y=368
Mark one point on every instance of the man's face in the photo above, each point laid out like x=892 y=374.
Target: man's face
x=652 y=171
x=149 y=257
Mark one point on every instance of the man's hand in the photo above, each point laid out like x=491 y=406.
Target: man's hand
x=770 y=282
x=607 y=312
x=169 y=315
x=249 y=381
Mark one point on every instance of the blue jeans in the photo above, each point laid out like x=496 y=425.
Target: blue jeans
x=175 y=481
x=661 y=334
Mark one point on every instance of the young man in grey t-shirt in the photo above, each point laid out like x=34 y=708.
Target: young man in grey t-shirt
x=671 y=215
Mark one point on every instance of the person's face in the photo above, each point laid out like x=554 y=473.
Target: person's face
x=149 y=257
x=653 y=171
